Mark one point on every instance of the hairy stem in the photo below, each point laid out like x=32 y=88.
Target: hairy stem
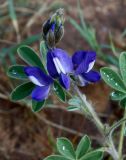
x=122 y=137
x=108 y=140
x=112 y=150
x=90 y=109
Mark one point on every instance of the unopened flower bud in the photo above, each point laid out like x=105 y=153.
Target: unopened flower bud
x=60 y=15
x=46 y=27
x=53 y=28
x=50 y=38
x=59 y=34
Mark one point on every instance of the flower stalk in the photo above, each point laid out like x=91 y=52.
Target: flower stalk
x=102 y=129
x=122 y=136
x=91 y=111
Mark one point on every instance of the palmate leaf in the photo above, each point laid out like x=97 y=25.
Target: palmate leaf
x=83 y=151
x=17 y=71
x=56 y=157
x=72 y=108
x=122 y=64
x=59 y=91
x=37 y=105
x=123 y=103
x=83 y=147
x=117 y=95
x=30 y=56
x=22 y=91
x=75 y=101
x=65 y=148
x=94 y=155
x=112 y=79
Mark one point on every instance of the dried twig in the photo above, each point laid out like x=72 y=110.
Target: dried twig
x=6 y=41
x=32 y=20
x=66 y=129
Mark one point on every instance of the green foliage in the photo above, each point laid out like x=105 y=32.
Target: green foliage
x=72 y=108
x=123 y=103
x=117 y=95
x=56 y=157
x=11 y=10
x=43 y=51
x=37 y=105
x=122 y=64
x=30 y=56
x=13 y=17
x=59 y=91
x=74 y=103
x=83 y=151
x=83 y=147
x=65 y=148
x=94 y=155
x=115 y=81
x=17 y=71
x=22 y=91
x=125 y=131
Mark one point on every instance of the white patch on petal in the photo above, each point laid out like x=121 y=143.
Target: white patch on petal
x=58 y=66
x=35 y=81
x=90 y=66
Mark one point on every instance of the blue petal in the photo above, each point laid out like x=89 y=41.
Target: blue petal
x=91 y=76
x=78 y=57
x=64 y=81
x=37 y=76
x=64 y=59
x=83 y=61
x=50 y=65
x=53 y=26
x=40 y=93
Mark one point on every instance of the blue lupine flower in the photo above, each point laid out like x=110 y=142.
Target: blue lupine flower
x=83 y=63
x=41 y=80
x=59 y=65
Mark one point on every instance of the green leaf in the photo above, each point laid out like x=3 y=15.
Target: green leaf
x=122 y=64
x=117 y=95
x=124 y=131
x=30 y=56
x=17 y=71
x=112 y=60
x=94 y=155
x=59 y=91
x=112 y=79
x=72 y=108
x=37 y=105
x=22 y=91
x=65 y=148
x=43 y=51
x=83 y=147
x=123 y=103
x=75 y=101
x=55 y=157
